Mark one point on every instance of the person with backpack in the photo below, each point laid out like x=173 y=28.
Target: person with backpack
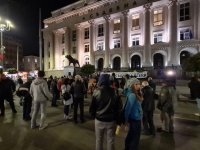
x=79 y=91
x=67 y=98
x=166 y=106
x=26 y=99
x=105 y=108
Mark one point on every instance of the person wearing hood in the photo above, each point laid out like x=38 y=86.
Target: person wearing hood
x=105 y=108
x=133 y=114
x=40 y=93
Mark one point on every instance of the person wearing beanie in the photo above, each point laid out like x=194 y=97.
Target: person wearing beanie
x=133 y=114
x=105 y=108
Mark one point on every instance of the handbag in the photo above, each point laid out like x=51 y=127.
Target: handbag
x=66 y=96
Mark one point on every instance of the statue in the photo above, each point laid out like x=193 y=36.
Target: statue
x=72 y=60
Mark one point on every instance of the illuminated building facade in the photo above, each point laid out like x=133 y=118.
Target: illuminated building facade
x=122 y=34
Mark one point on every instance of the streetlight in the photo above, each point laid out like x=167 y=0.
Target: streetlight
x=5 y=25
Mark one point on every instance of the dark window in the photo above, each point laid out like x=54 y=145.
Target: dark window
x=74 y=50
x=74 y=35
x=184 y=11
x=100 y=30
x=87 y=33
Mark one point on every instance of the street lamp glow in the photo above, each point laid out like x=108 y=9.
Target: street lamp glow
x=5 y=25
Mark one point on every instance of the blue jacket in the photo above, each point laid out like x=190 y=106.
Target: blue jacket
x=133 y=109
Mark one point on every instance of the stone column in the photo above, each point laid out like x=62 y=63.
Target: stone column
x=125 y=40
x=46 y=37
x=92 y=57
x=78 y=46
x=173 y=50
x=52 y=50
x=107 y=41
x=67 y=42
x=147 y=35
x=57 y=50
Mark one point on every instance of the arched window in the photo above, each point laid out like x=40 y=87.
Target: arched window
x=135 y=62
x=158 y=61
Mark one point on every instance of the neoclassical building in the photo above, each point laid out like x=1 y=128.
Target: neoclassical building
x=121 y=34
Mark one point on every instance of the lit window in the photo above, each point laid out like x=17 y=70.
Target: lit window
x=117 y=43
x=100 y=46
x=158 y=17
x=116 y=26
x=184 y=11
x=87 y=48
x=28 y=60
x=74 y=35
x=135 y=40
x=158 y=37
x=87 y=60
x=87 y=33
x=35 y=60
x=100 y=30
x=186 y=34
x=135 y=22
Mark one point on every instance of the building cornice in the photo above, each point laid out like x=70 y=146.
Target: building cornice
x=91 y=8
x=79 y=11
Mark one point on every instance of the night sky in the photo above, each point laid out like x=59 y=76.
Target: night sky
x=24 y=14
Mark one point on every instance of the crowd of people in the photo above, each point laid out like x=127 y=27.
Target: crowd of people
x=107 y=106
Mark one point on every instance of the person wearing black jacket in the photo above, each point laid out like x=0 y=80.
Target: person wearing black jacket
x=105 y=108
x=7 y=87
x=23 y=93
x=148 y=106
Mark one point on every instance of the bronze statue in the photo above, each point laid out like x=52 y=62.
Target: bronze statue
x=72 y=60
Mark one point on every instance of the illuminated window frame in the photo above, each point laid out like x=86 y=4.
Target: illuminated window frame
x=86 y=48
x=87 y=33
x=184 y=11
x=158 y=17
x=135 y=22
x=117 y=43
x=100 y=30
x=87 y=60
x=100 y=46
x=135 y=40
x=185 y=34
x=117 y=24
x=158 y=37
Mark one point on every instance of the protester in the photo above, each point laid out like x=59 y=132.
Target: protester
x=79 y=91
x=196 y=87
x=8 y=88
x=67 y=98
x=133 y=114
x=40 y=93
x=26 y=99
x=166 y=106
x=105 y=108
x=148 y=107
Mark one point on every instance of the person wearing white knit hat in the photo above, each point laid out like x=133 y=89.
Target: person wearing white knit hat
x=133 y=113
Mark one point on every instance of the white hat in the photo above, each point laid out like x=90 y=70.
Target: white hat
x=132 y=81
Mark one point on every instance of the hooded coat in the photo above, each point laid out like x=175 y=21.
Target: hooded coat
x=39 y=90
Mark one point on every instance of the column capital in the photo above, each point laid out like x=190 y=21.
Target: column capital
x=107 y=17
x=147 y=6
x=172 y=2
x=125 y=13
x=78 y=26
x=91 y=22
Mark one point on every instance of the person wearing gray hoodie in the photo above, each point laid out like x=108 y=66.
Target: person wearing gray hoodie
x=40 y=93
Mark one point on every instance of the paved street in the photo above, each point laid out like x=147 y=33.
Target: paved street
x=16 y=134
